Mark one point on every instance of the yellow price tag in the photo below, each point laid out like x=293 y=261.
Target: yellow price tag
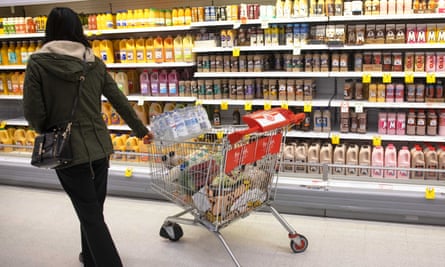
x=284 y=105
x=224 y=105
x=366 y=78
x=2 y=124
x=219 y=135
x=387 y=78
x=335 y=139
x=307 y=107
x=198 y=102
x=409 y=77
x=128 y=172
x=430 y=193
x=267 y=106
x=376 y=140
x=248 y=106
x=88 y=33
x=430 y=77
x=236 y=51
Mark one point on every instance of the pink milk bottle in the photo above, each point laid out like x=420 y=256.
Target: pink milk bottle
x=390 y=161
x=154 y=82
x=391 y=123
x=163 y=83
x=401 y=123
x=173 y=83
x=144 y=80
x=377 y=162
x=403 y=161
x=382 y=123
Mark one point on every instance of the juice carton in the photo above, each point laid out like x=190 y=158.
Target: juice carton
x=431 y=161
x=121 y=79
x=131 y=51
x=149 y=50
x=132 y=146
x=169 y=54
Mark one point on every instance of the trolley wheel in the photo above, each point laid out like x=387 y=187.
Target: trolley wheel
x=172 y=231
x=299 y=246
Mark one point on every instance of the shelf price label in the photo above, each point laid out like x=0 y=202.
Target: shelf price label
x=296 y=51
x=128 y=172
x=377 y=140
x=267 y=105
x=366 y=78
x=409 y=77
x=307 y=107
x=284 y=105
x=248 y=106
x=344 y=107
x=264 y=24
x=224 y=105
x=198 y=102
x=2 y=124
x=335 y=139
x=219 y=135
x=236 y=51
x=386 y=78
x=430 y=77
x=430 y=193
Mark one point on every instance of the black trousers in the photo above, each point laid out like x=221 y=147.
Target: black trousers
x=87 y=187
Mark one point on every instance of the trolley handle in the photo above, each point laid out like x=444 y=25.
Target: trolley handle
x=266 y=120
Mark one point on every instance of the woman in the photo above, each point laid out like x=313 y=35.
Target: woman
x=51 y=84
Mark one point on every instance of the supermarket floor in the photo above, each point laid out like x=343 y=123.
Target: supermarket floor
x=38 y=228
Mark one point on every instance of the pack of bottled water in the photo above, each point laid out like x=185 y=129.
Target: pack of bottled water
x=181 y=124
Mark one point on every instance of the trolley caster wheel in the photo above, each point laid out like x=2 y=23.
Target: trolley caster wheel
x=172 y=231
x=299 y=245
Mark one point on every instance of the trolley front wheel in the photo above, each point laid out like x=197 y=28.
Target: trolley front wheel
x=172 y=231
x=299 y=244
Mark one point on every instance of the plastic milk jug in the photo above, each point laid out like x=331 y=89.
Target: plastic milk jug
x=141 y=112
x=301 y=152
x=106 y=112
x=121 y=79
x=106 y=51
x=96 y=48
x=441 y=159
x=154 y=83
x=339 y=158
x=431 y=161
x=352 y=157
x=313 y=157
x=133 y=82
x=326 y=154
x=20 y=139
x=179 y=51
x=141 y=54
x=364 y=159
x=403 y=161
x=288 y=158
x=117 y=51
x=132 y=146
x=417 y=161
x=390 y=161
x=131 y=51
x=123 y=50
x=163 y=83
x=144 y=149
x=30 y=138
x=119 y=146
x=5 y=139
x=377 y=162
x=173 y=83
x=144 y=79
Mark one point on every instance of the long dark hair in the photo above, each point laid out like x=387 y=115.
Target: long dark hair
x=64 y=24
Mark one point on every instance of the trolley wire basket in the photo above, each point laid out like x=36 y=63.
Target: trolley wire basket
x=223 y=175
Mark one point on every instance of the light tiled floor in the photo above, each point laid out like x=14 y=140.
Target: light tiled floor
x=38 y=228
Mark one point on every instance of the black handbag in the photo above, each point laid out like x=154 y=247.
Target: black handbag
x=52 y=149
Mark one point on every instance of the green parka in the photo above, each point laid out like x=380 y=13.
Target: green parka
x=51 y=83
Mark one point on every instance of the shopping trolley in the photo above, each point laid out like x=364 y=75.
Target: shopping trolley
x=224 y=175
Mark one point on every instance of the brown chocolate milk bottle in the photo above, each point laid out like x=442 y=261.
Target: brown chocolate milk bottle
x=431 y=162
x=313 y=157
x=287 y=163
x=352 y=159
x=326 y=153
x=417 y=161
x=301 y=154
x=364 y=159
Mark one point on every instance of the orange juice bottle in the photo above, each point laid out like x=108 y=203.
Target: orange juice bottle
x=12 y=57
x=106 y=51
x=181 y=18
x=146 y=18
x=141 y=54
x=178 y=49
x=30 y=137
x=139 y=17
x=132 y=147
x=149 y=50
x=119 y=146
x=24 y=52
x=19 y=139
x=168 y=17
x=131 y=51
x=96 y=48
x=4 y=53
x=152 y=17
x=124 y=20
x=130 y=19
x=5 y=139
x=169 y=54
x=174 y=16
x=187 y=47
x=187 y=16
x=159 y=50
x=15 y=81
x=117 y=51
x=18 y=53
x=9 y=83
x=3 y=84
x=21 y=82
x=31 y=48
x=123 y=50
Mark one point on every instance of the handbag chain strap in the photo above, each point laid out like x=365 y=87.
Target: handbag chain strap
x=76 y=99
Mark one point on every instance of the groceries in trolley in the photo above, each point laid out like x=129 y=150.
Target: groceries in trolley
x=181 y=124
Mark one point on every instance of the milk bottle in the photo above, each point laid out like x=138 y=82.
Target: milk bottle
x=431 y=161
x=352 y=158
x=326 y=154
x=339 y=158
x=390 y=161
x=403 y=161
x=313 y=157
x=377 y=162
x=417 y=161
x=301 y=154
x=288 y=158
x=364 y=159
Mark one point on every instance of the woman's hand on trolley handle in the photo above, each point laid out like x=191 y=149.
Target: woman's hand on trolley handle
x=148 y=138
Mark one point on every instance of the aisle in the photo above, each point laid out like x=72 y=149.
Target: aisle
x=38 y=229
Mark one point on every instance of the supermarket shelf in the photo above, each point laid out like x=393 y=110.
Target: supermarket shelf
x=387 y=17
x=22 y=35
x=403 y=46
x=308 y=134
x=258 y=48
x=161 y=98
x=151 y=65
x=367 y=104
x=12 y=67
x=237 y=23
x=11 y=97
x=268 y=74
x=262 y=102
x=17 y=122
x=386 y=137
x=395 y=74
x=138 y=30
